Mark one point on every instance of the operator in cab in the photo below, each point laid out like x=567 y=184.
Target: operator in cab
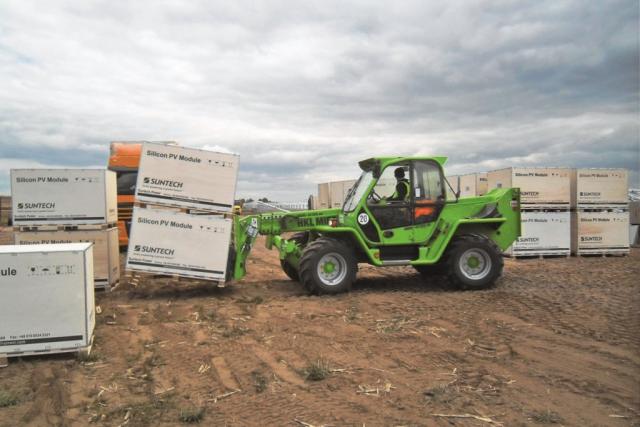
x=403 y=188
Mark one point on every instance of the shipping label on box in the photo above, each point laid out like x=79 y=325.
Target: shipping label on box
x=187 y=177
x=178 y=243
x=543 y=231
x=63 y=196
x=46 y=298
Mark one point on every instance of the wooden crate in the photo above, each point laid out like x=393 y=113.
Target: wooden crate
x=338 y=192
x=323 y=196
x=600 y=231
x=453 y=181
x=634 y=236
x=106 y=261
x=473 y=184
x=544 y=232
x=539 y=187
x=634 y=213
x=597 y=188
x=5 y=210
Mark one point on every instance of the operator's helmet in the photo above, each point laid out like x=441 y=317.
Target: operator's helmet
x=399 y=173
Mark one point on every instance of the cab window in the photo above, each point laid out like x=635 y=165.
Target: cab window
x=428 y=190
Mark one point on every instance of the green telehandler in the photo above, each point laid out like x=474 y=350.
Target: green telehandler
x=462 y=238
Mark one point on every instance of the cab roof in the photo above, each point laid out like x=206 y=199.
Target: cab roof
x=382 y=162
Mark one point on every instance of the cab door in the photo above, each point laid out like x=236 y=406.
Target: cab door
x=389 y=214
x=429 y=198
x=402 y=222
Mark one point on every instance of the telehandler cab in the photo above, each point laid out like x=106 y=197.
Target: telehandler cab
x=461 y=238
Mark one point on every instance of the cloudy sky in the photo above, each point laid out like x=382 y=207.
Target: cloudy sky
x=303 y=90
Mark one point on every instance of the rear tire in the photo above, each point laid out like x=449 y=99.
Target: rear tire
x=301 y=239
x=327 y=266
x=474 y=262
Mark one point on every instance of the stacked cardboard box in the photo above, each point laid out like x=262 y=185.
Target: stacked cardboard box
x=600 y=211
x=333 y=194
x=634 y=220
x=545 y=200
x=59 y=206
x=5 y=211
x=165 y=236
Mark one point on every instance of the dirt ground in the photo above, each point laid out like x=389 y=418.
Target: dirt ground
x=556 y=342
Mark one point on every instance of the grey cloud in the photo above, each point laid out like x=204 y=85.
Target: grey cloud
x=303 y=90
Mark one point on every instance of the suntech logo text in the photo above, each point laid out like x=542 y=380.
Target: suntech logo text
x=38 y=205
x=163 y=182
x=153 y=250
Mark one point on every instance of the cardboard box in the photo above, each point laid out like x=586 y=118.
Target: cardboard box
x=323 y=196
x=46 y=298
x=187 y=177
x=538 y=186
x=634 y=212
x=543 y=233
x=106 y=255
x=634 y=236
x=63 y=196
x=591 y=188
x=473 y=185
x=599 y=231
x=178 y=243
x=453 y=182
x=338 y=191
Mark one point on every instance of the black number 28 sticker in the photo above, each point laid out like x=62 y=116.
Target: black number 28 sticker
x=363 y=219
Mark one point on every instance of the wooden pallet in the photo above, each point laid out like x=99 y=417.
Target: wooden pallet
x=190 y=211
x=81 y=351
x=540 y=255
x=65 y=227
x=104 y=285
x=596 y=253
x=133 y=278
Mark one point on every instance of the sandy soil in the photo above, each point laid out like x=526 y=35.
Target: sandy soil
x=556 y=342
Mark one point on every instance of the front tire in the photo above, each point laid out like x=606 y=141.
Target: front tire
x=289 y=270
x=327 y=266
x=474 y=262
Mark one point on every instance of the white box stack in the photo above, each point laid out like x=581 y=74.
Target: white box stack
x=67 y=206
x=323 y=196
x=545 y=195
x=452 y=187
x=338 y=192
x=46 y=299
x=179 y=225
x=473 y=184
x=331 y=195
x=600 y=217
